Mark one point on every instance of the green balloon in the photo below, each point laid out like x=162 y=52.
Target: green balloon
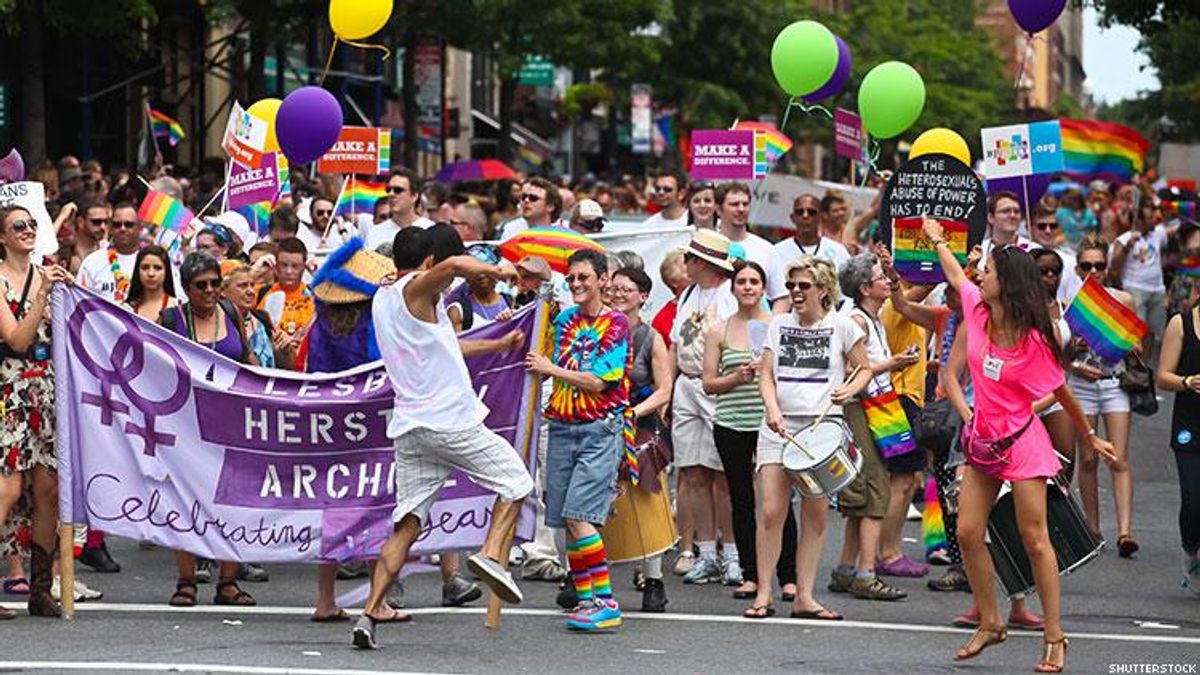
x=891 y=99
x=804 y=57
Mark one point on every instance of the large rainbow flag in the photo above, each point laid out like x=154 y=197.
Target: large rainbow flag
x=359 y=197
x=165 y=211
x=165 y=126
x=1108 y=327
x=914 y=256
x=1102 y=149
x=1189 y=266
x=889 y=425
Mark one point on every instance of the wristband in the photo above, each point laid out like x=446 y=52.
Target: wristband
x=1187 y=379
x=938 y=242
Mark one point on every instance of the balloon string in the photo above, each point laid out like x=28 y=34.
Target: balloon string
x=1031 y=38
x=808 y=109
x=387 y=53
x=329 y=61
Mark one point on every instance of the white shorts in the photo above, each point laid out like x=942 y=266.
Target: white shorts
x=1100 y=397
x=424 y=459
x=770 y=444
x=692 y=425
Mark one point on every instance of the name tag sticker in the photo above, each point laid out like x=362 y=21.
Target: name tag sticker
x=992 y=367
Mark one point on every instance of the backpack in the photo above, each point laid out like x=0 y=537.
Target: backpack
x=170 y=321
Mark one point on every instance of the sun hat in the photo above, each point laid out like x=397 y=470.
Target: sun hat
x=536 y=266
x=351 y=274
x=711 y=247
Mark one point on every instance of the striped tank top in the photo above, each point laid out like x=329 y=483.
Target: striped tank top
x=740 y=408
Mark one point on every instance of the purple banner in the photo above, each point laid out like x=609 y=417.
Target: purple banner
x=161 y=439
x=719 y=154
x=251 y=186
x=847 y=135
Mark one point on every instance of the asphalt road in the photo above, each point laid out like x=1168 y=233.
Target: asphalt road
x=1120 y=614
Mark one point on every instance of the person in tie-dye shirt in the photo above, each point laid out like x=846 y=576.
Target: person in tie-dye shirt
x=587 y=405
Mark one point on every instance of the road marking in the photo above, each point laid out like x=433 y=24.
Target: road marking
x=131 y=666
x=681 y=618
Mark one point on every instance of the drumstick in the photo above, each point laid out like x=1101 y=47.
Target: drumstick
x=821 y=417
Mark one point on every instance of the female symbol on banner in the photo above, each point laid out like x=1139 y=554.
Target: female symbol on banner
x=128 y=358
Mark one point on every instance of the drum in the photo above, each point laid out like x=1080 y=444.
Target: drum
x=640 y=523
x=823 y=459
x=1073 y=543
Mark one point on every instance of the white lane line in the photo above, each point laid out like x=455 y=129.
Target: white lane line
x=681 y=618
x=131 y=666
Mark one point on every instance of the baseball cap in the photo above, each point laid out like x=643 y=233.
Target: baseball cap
x=535 y=266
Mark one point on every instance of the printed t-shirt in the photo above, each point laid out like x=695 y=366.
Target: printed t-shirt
x=96 y=273
x=700 y=309
x=290 y=310
x=590 y=344
x=810 y=361
x=833 y=251
x=1143 y=261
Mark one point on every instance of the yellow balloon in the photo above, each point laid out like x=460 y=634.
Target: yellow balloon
x=357 y=19
x=266 y=110
x=941 y=140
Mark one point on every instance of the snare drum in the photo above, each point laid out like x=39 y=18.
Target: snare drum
x=1073 y=543
x=825 y=461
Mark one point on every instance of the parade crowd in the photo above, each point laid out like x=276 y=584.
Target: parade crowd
x=666 y=435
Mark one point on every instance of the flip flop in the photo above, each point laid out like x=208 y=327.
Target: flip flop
x=767 y=611
x=398 y=617
x=823 y=614
x=11 y=586
x=6 y=613
x=340 y=617
x=745 y=595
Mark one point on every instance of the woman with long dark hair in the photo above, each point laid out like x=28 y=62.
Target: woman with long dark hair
x=1014 y=359
x=152 y=288
x=702 y=205
x=1058 y=424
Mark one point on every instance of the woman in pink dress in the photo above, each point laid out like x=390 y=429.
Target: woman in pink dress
x=1014 y=359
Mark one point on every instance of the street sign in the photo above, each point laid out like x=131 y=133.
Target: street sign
x=536 y=71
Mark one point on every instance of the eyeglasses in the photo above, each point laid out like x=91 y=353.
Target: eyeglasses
x=531 y=198
x=581 y=278
x=323 y=212
x=801 y=213
x=804 y=286
x=1046 y=226
x=207 y=284
x=1093 y=267
x=19 y=226
x=124 y=224
x=396 y=190
x=1052 y=271
x=622 y=290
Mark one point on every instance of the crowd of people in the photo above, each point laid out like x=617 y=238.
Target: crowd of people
x=664 y=432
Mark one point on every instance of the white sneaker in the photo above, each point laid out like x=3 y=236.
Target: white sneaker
x=496 y=577
x=913 y=512
x=684 y=563
x=83 y=592
x=733 y=573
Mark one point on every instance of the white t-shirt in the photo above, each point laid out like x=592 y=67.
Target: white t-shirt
x=878 y=349
x=986 y=248
x=761 y=251
x=660 y=220
x=432 y=387
x=334 y=240
x=833 y=251
x=810 y=361
x=1143 y=261
x=385 y=232
x=701 y=309
x=1069 y=283
x=509 y=228
x=96 y=274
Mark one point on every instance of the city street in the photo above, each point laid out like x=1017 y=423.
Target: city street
x=1117 y=612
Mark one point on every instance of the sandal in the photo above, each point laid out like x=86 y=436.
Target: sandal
x=759 y=612
x=823 y=614
x=183 y=597
x=1046 y=665
x=6 y=614
x=990 y=637
x=240 y=598
x=743 y=593
x=1126 y=546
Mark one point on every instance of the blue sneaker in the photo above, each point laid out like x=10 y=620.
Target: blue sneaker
x=600 y=615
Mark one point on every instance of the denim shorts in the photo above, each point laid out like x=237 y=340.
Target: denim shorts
x=581 y=470
x=1101 y=397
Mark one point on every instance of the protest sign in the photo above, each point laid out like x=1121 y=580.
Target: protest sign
x=1022 y=149
x=361 y=150
x=847 y=135
x=31 y=196
x=250 y=186
x=940 y=187
x=161 y=439
x=245 y=137
x=720 y=154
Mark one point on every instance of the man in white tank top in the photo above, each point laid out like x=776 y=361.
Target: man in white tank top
x=437 y=420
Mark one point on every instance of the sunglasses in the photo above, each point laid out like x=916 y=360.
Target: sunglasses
x=530 y=198
x=124 y=224
x=663 y=189
x=1046 y=226
x=1093 y=267
x=19 y=226
x=98 y=221
x=207 y=284
x=594 y=225
x=804 y=286
x=396 y=190
x=801 y=213
x=323 y=212
x=1052 y=271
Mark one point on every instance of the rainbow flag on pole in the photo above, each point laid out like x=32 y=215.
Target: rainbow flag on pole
x=889 y=425
x=1110 y=328
x=165 y=126
x=257 y=215
x=770 y=144
x=1189 y=266
x=1092 y=148
x=913 y=254
x=165 y=211
x=359 y=197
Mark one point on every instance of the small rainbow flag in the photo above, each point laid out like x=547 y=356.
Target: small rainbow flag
x=914 y=256
x=165 y=126
x=933 y=526
x=257 y=215
x=1189 y=266
x=165 y=211
x=1092 y=148
x=1110 y=328
x=1182 y=208
x=889 y=425
x=775 y=143
x=359 y=197
x=553 y=244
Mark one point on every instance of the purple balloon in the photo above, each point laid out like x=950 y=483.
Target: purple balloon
x=308 y=124
x=1036 y=16
x=1034 y=186
x=840 y=75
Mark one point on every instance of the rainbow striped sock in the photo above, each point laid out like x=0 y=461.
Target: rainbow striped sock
x=592 y=548
x=581 y=576
x=933 y=529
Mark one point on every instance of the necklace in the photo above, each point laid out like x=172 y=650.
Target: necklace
x=191 y=326
x=122 y=281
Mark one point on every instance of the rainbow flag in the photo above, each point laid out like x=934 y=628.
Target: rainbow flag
x=1110 y=328
x=1092 y=148
x=1189 y=266
x=165 y=211
x=913 y=254
x=933 y=527
x=773 y=141
x=258 y=215
x=1181 y=208
x=165 y=126
x=889 y=425
x=359 y=197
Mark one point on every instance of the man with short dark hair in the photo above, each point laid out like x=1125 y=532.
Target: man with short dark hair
x=733 y=209
x=317 y=234
x=540 y=206
x=1004 y=224
x=403 y=200
x=289 y=302
x=834 y=212
x=1044 y=230
x=669 y=191
x=808 y=240
x=91 y=230
x=109 y=271
x=283 y=224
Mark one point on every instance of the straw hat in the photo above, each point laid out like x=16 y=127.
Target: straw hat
x=351 y=274
x=712 y=247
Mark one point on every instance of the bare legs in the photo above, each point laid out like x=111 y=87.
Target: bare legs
x=1117 y=428
x=775 y=488
x=696 y=496
x=902 y=487
x=1062 y=437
